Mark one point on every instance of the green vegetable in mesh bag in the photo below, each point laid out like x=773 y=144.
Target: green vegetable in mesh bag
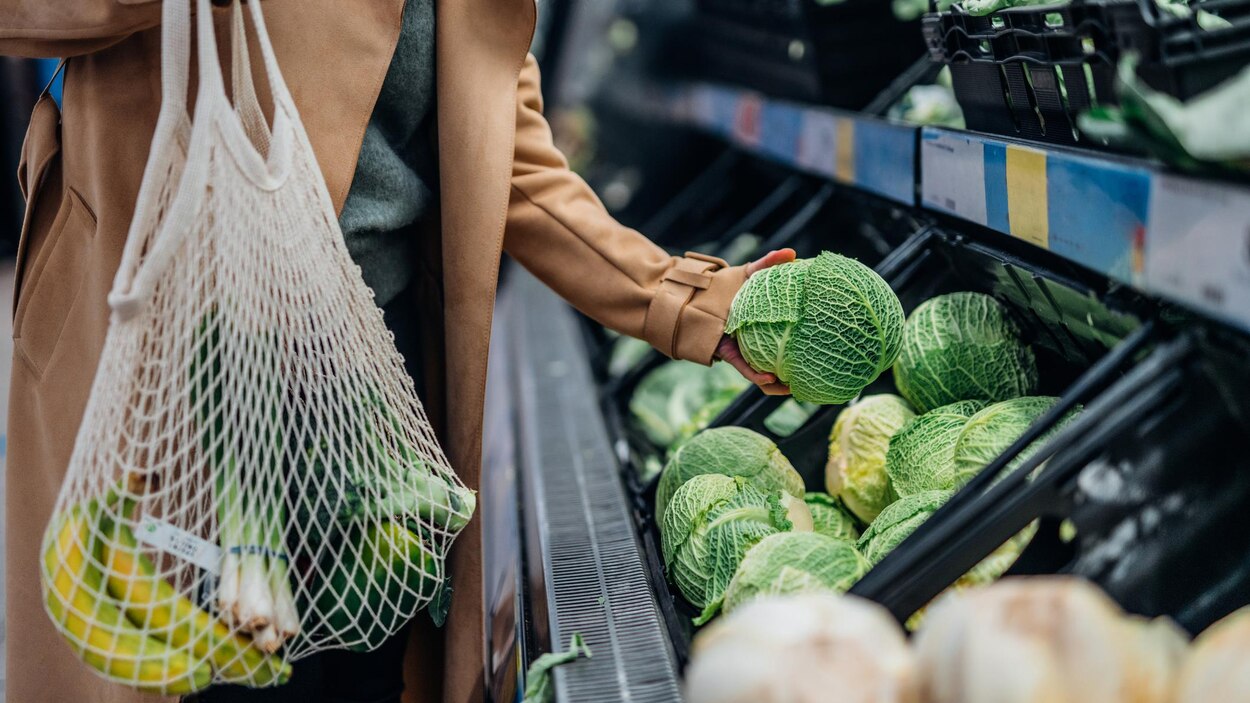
x=731 y=451
x=855 y=472
x=962 y=346
x=826 y=326
x=677 y=395
x=898 y=521
x=788 y=563
x=830 y=519
x=921 y=456
x=711 y=523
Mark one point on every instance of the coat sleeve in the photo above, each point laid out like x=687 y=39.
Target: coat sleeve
x=60 y=28
x=558 y=230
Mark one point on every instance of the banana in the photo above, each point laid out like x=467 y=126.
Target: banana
x=153 y=604
x=73 y=590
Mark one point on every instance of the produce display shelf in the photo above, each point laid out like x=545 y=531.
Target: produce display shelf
x=585 y=563
x=865 y=152
x=1173 y=236
x=1178 y=237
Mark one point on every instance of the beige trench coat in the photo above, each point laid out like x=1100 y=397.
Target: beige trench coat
x=504 y=187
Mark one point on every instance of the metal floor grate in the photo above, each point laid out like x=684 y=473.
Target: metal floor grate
x=596 y=579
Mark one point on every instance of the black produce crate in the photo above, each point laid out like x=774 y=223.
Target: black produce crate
x=1152 y=477
x=840 y=55
x=1073 y=319
x=1028 y=72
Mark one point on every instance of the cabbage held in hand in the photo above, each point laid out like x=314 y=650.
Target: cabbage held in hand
x=732 y=451
x=710 y=524
x=795 y=562
x=826 y=326
x=857 y=449
x=962 y=346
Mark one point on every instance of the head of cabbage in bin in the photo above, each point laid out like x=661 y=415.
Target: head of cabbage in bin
x=366 y=89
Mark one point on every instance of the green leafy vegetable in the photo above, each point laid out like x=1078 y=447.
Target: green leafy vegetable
x=962 y=346
x=988 y=433
x=1207 y=133
x=898 y=521
x=538 y=686
x=858 y=443
x=709 y=526
x=732 y=451
x=795 y=562
x=922 y=454
x=827 y=326
x=789 y=417
x=679 y=398
x=830 y=519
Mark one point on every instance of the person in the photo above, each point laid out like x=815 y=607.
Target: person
x=426 y=119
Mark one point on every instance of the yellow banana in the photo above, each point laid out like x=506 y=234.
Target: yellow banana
x=73 y=590
x=154 y=605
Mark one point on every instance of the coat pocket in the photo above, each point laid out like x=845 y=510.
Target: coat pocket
x=48 y=290
x=40 y=152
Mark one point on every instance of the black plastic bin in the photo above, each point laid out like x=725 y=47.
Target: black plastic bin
x=1072 y=318
x=1028 y=72
x=841 y=55
x=1152 y=477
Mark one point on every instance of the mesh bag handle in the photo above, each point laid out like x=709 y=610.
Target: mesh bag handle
x=254 y=479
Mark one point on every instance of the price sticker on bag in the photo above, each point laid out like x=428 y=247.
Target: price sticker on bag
x=180 y=543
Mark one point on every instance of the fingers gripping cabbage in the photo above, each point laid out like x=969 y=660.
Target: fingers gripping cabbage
x=826 y=326
x=795 y=562
x=711 y=523
x=962 y=346
x=921 y=456
x=732 y=451
x=857 y=451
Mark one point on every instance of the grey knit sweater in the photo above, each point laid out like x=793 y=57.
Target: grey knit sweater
x=396 y=180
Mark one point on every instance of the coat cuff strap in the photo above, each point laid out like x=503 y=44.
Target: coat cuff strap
x=686 y=319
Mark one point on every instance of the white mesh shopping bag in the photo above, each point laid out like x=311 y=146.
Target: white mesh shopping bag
x=254 y=478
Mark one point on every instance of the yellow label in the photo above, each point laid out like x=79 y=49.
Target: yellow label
x=844 y=167
x=1026 y=195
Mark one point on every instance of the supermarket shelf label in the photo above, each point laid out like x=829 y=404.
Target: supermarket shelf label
x=885 y=159
x=817 y=148
x=1027 y=216
x=865 y=152
x=780 y=131
x=1092 y=211
x=953 y=175
x=1097 y=214
x=1198 y=251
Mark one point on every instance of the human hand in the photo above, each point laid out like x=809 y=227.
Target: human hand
x=728 y=350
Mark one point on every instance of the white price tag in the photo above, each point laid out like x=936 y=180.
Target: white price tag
x=952 y=169
x=1198 y=245
x=180 y=543
x=818 y=142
